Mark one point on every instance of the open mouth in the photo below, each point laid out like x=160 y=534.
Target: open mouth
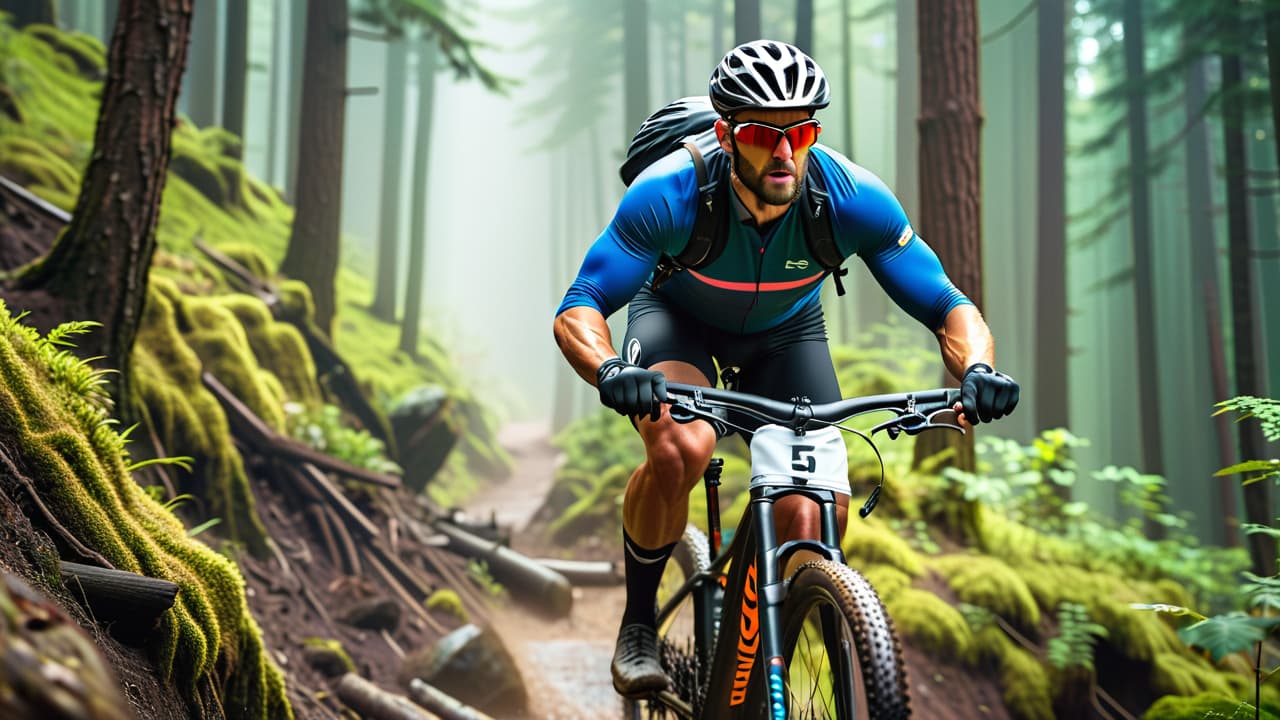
x=780 y=175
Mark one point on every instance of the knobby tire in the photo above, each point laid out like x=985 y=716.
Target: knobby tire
x=838 y=604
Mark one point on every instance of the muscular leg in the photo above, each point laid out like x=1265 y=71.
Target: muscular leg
x=655 y=508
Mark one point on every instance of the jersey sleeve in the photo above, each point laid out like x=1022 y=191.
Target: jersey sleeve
x=647 y=223
x=871 y=223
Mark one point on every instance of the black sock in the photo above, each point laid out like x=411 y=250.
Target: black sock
x=644 y=572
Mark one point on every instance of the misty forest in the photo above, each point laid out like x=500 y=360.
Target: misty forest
x=284 y=432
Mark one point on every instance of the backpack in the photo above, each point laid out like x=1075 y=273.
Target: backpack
x=690 y=123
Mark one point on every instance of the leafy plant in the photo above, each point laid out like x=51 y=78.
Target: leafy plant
x=478 y=571
x=1073 y=647
x=324 y=430
x=1267 y=412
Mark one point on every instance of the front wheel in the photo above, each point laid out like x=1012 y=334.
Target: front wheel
x=842 y=657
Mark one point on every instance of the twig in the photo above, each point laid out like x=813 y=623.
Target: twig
x=320 y=519
x=83 y=550
x=391 y=642
x=415 y=604
x=350 y=557
x=377 y=704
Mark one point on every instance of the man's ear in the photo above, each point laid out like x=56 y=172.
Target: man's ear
x=722 y=134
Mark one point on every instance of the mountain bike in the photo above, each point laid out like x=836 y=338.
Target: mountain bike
x=737 y=638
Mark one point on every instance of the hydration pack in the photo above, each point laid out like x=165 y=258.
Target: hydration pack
x=690 y=123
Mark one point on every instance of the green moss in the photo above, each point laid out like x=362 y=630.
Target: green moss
x=330 y=652
x=447 y=601
x=30 y=162
x=1205 y=705
x=250 y=257
x=85 y=52
x=886 y=579
x=986 y=582
x=189 y=421
x=213 y=331
x=78 y=463
x=1025 y=686
x=870 y=541
x=1179 y=673
x=927 y=622
x=278 y=348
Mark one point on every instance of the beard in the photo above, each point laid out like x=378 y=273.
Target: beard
x=769 y=193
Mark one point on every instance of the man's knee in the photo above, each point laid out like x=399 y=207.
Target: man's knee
x=677 y=450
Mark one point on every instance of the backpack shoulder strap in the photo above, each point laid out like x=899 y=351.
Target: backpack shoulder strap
x=818 y=232
x=707 y=240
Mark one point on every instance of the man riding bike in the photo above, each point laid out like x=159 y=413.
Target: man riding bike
x=754 y=307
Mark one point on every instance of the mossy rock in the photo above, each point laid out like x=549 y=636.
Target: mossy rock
x=327 y=656
x=1204 y=705
x=278 y=348
x=887 y=580
x=30 y=162
x=1025 y=685
x=986 y=582
x=1180 y=673
x=448 y=602
x=931 y=624
x=189 y=420
x=87 y=54
x=250 y=257
x=870 y=541
x=63 y=439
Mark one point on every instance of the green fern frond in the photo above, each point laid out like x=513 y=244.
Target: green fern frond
x=182 y=461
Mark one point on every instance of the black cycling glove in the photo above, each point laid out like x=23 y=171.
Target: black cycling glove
x=631 y=389
x=986 y=394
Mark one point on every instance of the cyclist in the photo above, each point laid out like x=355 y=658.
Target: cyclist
x=755 y=307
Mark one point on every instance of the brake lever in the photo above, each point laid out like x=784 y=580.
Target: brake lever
x=914 y=423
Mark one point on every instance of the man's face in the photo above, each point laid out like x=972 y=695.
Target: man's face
x=772 y=173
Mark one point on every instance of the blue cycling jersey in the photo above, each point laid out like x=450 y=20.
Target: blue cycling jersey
x=762 y=278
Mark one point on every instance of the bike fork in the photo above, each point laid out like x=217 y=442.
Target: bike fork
x=771 y=592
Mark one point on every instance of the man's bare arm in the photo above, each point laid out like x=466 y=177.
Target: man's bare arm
x=965 y=339
x=584 y=338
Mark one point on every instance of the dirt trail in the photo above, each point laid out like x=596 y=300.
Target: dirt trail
x=565 y=663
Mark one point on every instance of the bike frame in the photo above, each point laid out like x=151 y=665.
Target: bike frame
x=755 y=588
x=747 y=666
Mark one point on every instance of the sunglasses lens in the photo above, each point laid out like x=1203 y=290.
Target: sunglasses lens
x=801 y=136
x=757 y=135
x=804 y=135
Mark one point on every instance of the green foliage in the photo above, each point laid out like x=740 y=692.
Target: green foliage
x=478 y=571
x=1204 y=706
x=325 y=430
x=1223 y=635
x=1265 y=410
x=1073 y=647
x=447 y=601
x=930 y=624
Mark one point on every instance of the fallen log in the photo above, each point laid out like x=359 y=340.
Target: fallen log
x=530 y=582
x=130 y=603
x=374 y=703
x=442 y=704
x=585 y=572
x=268 y=441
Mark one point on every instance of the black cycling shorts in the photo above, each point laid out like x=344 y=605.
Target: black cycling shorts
x=792 y=360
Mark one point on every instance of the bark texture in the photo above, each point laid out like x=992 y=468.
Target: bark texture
x=97 y=270
x=314 y=246
x=950 y=124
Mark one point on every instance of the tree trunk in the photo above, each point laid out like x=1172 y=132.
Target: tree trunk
x=297 y=52
x=418 y=224
x=1257 y=496
x=312 y=255
x=236 y=68
x=950 y=160
x=279 y=86
x=804 y=26
x=1051 y=258
x=873 y=305
x=1140 y=227
x=1204 y=276
x=200 y=87
x=635 y=53
x=97 y=269
x=386 y=283
x=746 y=21
x=28 y=12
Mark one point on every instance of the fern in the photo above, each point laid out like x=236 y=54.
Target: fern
x=1073 y=648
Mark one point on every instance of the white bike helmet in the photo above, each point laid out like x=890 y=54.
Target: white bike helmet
x=767 y=74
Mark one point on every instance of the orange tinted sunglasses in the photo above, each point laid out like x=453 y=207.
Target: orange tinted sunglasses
x=801 y=135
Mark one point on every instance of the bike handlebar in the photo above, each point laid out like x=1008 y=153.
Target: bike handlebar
x=915 y=411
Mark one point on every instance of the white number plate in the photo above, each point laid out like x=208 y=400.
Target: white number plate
x=817 y=459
